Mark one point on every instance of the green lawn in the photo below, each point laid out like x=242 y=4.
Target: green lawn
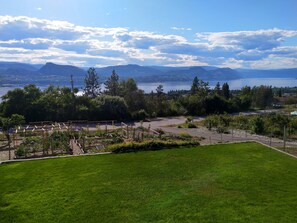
x=223 y=183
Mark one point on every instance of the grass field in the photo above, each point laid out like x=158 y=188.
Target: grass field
x=224 y=183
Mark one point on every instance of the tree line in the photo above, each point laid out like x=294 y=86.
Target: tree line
x=123 y=100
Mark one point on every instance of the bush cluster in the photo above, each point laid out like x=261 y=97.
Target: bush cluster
x=149 y=145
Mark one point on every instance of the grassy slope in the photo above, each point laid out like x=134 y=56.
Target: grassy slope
x=223 y=183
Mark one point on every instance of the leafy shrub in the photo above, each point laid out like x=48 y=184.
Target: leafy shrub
x=189 y=119
x=154 y=115
x=290 y=101
x=160 y=131
x=60 y=140
x=258 y=125
x=20 y=151
x=140 y=115
x=149 y=145
x=191 y=125
x=185 y=135
x=32 y=144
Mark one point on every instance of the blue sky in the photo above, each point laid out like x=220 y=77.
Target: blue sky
x=225 y=33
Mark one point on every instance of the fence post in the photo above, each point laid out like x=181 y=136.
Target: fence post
x=84 y=143
x=71 y=140
x=9 y=147
x=43 y=143
x=284 y=137
x=133 y=134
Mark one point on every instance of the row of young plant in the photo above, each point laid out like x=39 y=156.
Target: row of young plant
x=271 y=124
x=36 y=144
x=56 y=143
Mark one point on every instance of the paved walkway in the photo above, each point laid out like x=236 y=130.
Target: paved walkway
x=76 y=150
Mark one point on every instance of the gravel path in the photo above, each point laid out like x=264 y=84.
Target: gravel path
x=4 y=155
x=211 y=137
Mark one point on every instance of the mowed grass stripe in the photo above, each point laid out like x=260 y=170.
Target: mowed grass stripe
x=245 y=182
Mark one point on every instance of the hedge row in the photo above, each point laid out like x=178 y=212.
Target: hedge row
x=149 y=145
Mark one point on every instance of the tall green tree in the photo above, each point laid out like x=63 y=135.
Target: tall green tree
x=92 y=86
x=14 y=102
x=160 y=108
x=22 y=102
x=203 y=88
x=133 y=96
x=112 y=84
x=226 y=90
x=217 y=89
x=194 y=87
x=159 y=90
x=262 y=96
x=110 y=107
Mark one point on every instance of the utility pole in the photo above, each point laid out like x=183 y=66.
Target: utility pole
x=72 y=83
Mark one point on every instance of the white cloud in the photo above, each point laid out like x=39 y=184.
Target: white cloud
x=247 y=40
x=181 y=28
x=35 y=40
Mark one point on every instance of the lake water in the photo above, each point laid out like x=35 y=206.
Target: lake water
x=168 y=86
x=233 y=84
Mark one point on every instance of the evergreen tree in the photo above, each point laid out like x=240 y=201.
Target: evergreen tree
x=159 y=90
x=279 y=92
x=92 y=86
x=199 y=87
x=217 y=89
x=133 y=96
x=194 y=88
x=226 y=91
x=112 y=84
x=262 y=96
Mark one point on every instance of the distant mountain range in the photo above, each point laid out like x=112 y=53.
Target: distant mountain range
x=50 y=73
x=161 y=74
